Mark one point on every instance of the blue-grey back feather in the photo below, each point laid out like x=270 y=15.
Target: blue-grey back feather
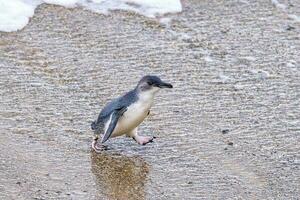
x=116 y=104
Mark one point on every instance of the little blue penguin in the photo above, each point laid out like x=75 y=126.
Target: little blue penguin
x=123 y=115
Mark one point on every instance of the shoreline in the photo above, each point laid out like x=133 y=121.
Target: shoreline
x=228 y=129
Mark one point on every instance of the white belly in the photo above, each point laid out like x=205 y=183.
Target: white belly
x=134 y=116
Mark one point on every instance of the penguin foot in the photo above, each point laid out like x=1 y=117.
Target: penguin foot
x=143 y=140
x=96 y=147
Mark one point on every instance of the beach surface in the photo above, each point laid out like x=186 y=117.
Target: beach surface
x=229 y=129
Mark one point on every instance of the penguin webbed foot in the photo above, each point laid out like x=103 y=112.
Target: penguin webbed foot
x=143 y=140
x=96 y=147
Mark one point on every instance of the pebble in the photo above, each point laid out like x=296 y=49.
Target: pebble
x=289 y=28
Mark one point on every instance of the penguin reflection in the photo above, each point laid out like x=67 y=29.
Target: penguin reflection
x=119 y=177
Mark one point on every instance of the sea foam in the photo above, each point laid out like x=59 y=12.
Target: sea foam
x=15 y=14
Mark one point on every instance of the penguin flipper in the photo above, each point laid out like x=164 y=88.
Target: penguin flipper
x=115 y=115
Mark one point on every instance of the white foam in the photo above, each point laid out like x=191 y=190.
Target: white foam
x=15 y=14
x=223 y=78
x=65 y=3
x=165 y=21
x=260 y=74
x=249 y=58
x=149 y=8
x=296 y=18
x=283 y=7
x=291 y=65
x=278 y=5
x=238 y=87
x=208 y=58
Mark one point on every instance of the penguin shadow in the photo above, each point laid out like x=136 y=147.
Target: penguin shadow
x=118 y=176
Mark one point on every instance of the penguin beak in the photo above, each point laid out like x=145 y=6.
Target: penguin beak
x=165 y=85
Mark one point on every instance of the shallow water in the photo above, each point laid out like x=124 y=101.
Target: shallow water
x=228 y=129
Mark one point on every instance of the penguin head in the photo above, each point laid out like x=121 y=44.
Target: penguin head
x=152 y=84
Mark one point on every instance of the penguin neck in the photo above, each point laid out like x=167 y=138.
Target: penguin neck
x=146 y=97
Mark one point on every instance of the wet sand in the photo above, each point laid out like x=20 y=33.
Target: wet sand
x=229 y=129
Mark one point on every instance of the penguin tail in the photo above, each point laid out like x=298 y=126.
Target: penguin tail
x=93 y=125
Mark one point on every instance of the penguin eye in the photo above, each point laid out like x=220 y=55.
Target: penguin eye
x=149 y=82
